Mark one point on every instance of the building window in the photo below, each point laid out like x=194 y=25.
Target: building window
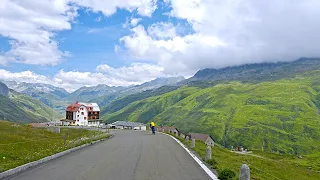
x=82 y=113
x=78 y=120
x=85 y=118
x=78 y=115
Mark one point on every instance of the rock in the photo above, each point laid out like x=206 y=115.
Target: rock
x=244 y=172
x=4 y=90
x=208 y=153
x=193 y=144
x=300 y=157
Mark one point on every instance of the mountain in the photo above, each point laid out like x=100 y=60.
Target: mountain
x=18 y=107
x=124 y=101
x=275 y=114
x=36 y=89
x=156 y=83
x=52 y=96
x=4 y=90
x=88 y=93
x=258 y=72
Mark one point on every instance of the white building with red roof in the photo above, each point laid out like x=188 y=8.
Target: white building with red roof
x=82 y=114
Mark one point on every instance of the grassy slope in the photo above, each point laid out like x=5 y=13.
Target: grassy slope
x=280 y=116
x=124 y=101
x=146 y=109
x=24 y=109
x=263 y=166
x=57 y=104
x=20 y=144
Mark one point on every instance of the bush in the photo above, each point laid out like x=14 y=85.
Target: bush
x=226 y=174
x=213 y=163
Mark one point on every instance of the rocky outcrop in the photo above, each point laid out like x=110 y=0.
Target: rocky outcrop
x=4 y=90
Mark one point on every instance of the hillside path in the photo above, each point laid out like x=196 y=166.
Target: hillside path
x=130 y=155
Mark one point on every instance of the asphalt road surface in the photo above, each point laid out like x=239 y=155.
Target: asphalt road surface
x=130 y=155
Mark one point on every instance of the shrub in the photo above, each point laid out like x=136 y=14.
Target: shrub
x=226 y=174
x=213 y=163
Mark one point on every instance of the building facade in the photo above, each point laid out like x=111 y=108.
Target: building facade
x=82 y=114
x=207 y=139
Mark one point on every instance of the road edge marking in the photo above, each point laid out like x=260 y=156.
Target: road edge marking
x=32 y=164
x=201 y=164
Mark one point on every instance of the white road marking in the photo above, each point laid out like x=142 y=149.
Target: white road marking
x=203 y=166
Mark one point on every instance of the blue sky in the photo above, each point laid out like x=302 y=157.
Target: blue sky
x=75 y=43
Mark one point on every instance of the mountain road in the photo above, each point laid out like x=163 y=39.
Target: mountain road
x=130 y=155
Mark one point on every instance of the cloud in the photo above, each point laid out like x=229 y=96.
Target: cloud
x=24 y=76
x=162 y=30
x=143 y=7
x=135 y=21
x=134 y=74
x=31 y=25
x=171 y=54
x=228 y=32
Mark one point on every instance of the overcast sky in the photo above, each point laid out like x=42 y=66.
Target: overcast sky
x=74 y=43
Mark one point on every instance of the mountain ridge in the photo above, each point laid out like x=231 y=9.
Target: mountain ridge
x=18 y=107
x=280 y=114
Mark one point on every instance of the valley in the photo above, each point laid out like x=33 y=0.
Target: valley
x=270 y=109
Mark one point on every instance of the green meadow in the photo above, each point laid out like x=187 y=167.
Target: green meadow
x=21 y=144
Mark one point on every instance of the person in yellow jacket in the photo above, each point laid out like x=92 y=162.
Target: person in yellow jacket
x=152 y=126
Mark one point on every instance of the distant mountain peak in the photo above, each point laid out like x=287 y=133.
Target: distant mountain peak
x=4 y=90
x=258 y=71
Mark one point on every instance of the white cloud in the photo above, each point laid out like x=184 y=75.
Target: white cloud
x=109 y=7
x=135 y=21
x=31 y=25
x=134 y=74
x=172 y=54
x=24 y=76
x=162 y=30
x=228 y=32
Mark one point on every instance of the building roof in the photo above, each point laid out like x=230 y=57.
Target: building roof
x=127 y=124
x=198 y=136
x=90 y=106
x=73 y=107
x=166 y=128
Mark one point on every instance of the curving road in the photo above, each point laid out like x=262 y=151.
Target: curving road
x=130 y=155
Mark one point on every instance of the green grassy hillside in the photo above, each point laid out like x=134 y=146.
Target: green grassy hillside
x=146 y=109
x=279 y=116
x=21 y=144
x=21 y=108
x=120 y=103
x=263 y=166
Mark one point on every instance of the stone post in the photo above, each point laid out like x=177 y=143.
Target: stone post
x=177 y=134
x=193 y=145
x=187 y=139
x=163 y=130
x=208 y=153
x=244 y=172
